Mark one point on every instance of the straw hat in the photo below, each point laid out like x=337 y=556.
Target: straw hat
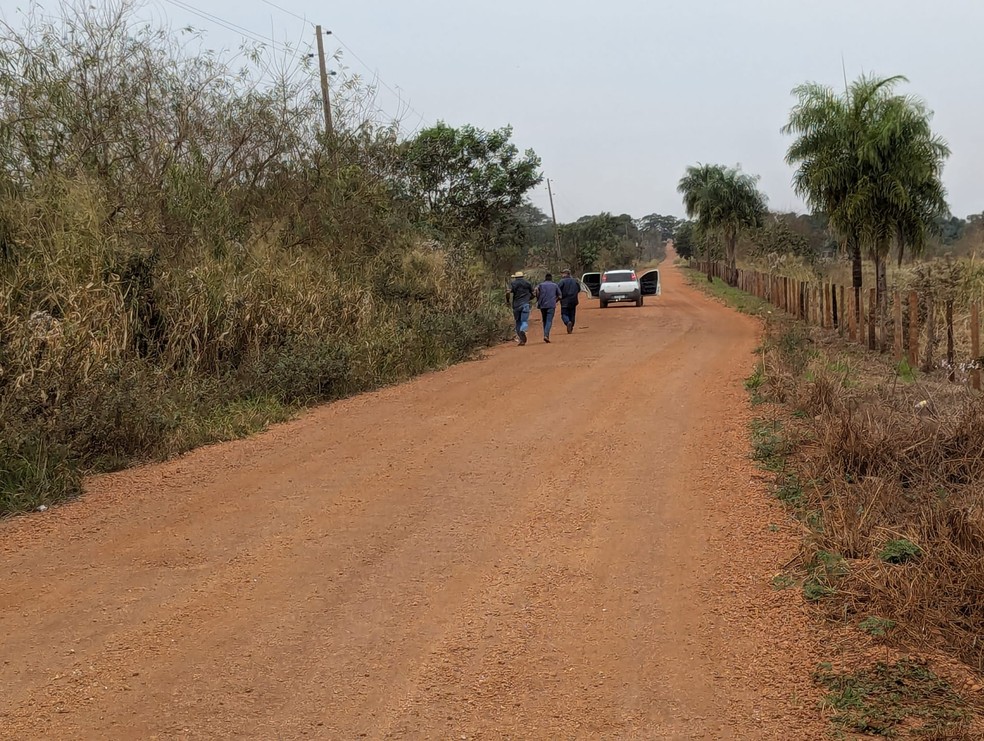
x=519 y=274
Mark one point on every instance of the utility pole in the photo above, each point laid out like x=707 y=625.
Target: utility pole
x=553 y=215
x=329 y=126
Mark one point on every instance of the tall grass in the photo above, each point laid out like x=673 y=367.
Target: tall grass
x=184 y=258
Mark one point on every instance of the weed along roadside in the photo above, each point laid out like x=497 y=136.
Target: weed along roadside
x=880 y=466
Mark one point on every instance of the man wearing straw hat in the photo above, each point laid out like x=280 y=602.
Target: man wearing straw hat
x=521 y=291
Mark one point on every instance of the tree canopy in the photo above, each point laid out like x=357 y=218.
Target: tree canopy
x=869 y=160
x=725 y=201
x=471 y=181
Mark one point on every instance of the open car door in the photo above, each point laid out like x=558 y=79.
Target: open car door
x=592 y=282
x=649 y=283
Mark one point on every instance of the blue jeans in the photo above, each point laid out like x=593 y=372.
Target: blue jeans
x=522 y=316
x=548 y=315
x=568 y=314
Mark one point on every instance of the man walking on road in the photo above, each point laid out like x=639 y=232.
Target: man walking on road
x=547 y=296
x=521 y=291
x=569 y=289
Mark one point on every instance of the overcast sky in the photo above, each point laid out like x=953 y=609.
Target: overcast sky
x=619 y=96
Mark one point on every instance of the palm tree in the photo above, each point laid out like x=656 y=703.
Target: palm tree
x=868 y=160
x=905 y=164
x=723 y=200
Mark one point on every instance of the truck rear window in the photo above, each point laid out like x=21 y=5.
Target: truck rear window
x=620 y=277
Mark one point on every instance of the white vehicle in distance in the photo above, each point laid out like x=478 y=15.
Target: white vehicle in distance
x=618 y=286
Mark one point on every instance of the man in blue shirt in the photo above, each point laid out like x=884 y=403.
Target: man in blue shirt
x=521 y=291
x=547 y=296
x=569 y=289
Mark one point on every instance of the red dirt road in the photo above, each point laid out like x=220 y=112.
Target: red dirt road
x=556 y=541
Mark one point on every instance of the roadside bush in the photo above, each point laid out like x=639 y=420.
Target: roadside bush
x=35 y=472
x=184 y=257
x=303 y=373
x=898 y=490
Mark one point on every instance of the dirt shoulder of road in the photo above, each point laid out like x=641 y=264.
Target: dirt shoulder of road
x=775 y=643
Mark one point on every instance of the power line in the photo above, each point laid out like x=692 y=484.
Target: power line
x=571 y=206
x=230 y=26
x=374 y=72
x=404 y=105
x=376 y=75
x=288 y=12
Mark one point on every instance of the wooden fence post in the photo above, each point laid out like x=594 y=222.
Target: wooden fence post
x=928 y=359
x=950 y=357
x=975 y=345
x=897 y=310
x=872 y=321
x=862 y=329
x=913 y=329
x=852 y=318
x=841 y=308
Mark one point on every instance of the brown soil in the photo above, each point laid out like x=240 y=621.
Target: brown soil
x=556 y=541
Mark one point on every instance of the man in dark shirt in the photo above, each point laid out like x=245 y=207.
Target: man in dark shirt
x=547 y=296
x=521 y=291
x=569 y=290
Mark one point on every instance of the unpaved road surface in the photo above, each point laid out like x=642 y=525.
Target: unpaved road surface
x=556 y=541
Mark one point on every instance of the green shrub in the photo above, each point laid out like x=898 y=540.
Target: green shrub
x=825 y=570
x=302 y=372
x=889 y=700
x=769 y=447
x=876 y=626
x=900 y=551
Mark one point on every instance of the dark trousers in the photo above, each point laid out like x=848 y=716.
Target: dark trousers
x=548 y=317
x=568 y=314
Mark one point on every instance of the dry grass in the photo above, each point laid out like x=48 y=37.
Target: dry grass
x=893 y=473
